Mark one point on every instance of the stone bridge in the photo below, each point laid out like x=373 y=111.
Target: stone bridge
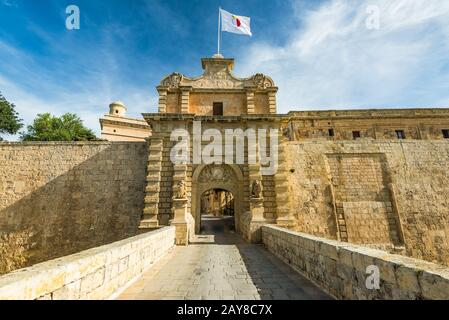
x=219 y=264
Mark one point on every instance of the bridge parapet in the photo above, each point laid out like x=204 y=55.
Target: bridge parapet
x=346 y=270
x=96 y=273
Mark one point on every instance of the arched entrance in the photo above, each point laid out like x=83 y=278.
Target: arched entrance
x=217 y=211
x=223 y=177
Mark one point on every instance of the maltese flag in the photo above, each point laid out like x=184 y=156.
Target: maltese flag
x=235 y=24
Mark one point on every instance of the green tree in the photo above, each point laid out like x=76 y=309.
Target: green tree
x=9 y=118
x=68 y=127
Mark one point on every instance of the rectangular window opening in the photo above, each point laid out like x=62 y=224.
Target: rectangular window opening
x=445 y=133
x=218 y=108
x=331 y=132
x=355 y=134
x=400 y=134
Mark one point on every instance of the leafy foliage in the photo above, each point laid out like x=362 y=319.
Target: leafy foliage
x=68 y=127
x=9 y=118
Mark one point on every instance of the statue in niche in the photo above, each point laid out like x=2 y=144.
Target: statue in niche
x=181 y=190
x=256 y=189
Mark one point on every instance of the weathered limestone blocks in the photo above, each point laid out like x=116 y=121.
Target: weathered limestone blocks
x=378 y=193
x=58 y=198
x=180 y=221
x=92 y=274
x=341 y=268
x=257 y=219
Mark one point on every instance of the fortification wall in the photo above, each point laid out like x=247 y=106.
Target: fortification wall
x=379 y=193
x=59 y=198
x=343 y=269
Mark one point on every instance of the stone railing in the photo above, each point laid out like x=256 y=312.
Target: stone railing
x=96 y=273
x=346 y=270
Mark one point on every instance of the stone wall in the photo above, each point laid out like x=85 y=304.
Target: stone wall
x=92 y=274
x=61 y=198
x=341 y=268
x=233 y=103
x=377 y=124
x=374 y=193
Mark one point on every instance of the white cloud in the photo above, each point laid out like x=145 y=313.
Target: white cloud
x=9 y=3
x=332 y=60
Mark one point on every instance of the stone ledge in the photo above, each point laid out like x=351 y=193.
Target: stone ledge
x=91 y=274
x=340 y=268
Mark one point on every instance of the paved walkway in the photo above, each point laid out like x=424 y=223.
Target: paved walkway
x=220 y=265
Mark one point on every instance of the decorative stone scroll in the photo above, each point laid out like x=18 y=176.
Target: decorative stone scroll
x=217 y=75
x=173 y=80
x=262 y=82
x=216 y=173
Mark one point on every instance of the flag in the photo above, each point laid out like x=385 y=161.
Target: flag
x=235 y=24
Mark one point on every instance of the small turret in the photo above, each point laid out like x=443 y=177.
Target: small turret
x=117 y=108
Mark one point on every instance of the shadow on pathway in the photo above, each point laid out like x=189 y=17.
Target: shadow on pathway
x=219 y=264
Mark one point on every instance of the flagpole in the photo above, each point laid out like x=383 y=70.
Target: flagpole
x=219 y=31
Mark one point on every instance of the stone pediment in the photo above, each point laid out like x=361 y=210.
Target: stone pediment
x=217 y=75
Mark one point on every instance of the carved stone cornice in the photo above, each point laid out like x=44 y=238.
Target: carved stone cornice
x=217 y=75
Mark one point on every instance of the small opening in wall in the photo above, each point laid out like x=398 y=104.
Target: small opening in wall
x=355 y=134
x=116 y=111
x=445 y=133
x=292 y=170
x=400 y=134
x=115 y=130
x=218 y=108
x=331 y=132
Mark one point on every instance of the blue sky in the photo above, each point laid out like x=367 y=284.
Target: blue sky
x=320 y=53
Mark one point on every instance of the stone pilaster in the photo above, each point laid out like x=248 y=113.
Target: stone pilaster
x=162 y=105
x=251 y=108
x=154 y=168
x=272 y=101
x=185 y=97
x=283 y=211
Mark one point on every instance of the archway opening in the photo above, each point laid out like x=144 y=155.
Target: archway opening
x=217 y=208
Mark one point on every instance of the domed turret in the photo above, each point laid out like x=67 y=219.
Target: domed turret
x=117 y=108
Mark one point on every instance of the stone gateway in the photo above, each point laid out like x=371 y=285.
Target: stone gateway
x=376 y=178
